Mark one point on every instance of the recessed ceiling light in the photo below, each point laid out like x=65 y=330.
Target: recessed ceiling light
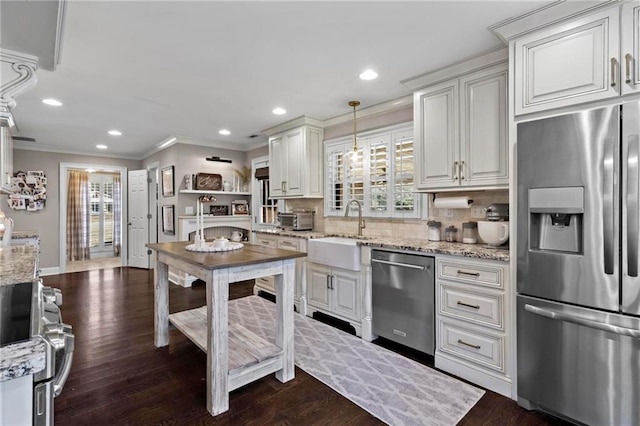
x=115 y=132
x=52 y=102
x=101 y=146
x=368 y=75
x=224 y=132
x=279 y=111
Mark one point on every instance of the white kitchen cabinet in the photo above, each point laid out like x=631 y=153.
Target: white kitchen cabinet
x=583 y=60
x=461 y=132
x=336 y=292
x=6 y=159
x=630 y=52
x=295 y=163
x=267 y=284
x=473 y=321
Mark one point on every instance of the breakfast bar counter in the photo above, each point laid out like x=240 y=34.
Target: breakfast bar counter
x=235 y=355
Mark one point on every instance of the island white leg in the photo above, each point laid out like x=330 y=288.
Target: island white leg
x=217 y=342
x=284 y=307
x=161 y=300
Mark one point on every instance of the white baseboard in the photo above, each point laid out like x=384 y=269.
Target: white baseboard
x=54 y=270
x=481 y=377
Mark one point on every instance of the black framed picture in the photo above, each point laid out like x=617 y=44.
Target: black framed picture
x=167 y=182
x=168 y=220
x=217 y=210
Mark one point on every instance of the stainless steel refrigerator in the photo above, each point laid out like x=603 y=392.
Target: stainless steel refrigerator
x=578 y=300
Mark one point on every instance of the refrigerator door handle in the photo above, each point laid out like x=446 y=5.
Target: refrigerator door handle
x=608 y=217
x=561 y=316
x=632 y=206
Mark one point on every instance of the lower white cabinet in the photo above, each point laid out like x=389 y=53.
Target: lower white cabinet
x=268 y=284
x=336 y=292
x=473 y=323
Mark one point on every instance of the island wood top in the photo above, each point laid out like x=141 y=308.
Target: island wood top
x=250 y=254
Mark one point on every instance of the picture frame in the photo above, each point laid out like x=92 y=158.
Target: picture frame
x=168 y=219
x=219 y=210
x=208 y=181
x=239 y=208
x=168 y=182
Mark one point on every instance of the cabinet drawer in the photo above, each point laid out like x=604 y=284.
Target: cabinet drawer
x=289 y=243
x=267 y=283
x=472 y=273
x=266 y=240
x=481 y=348
x=483 y=308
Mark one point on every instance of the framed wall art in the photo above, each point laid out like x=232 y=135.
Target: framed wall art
x=168 y=220
x=218 y=210
x=239 y=207
x=168 y=182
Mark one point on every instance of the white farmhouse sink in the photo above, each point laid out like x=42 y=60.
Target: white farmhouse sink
x=336 y=252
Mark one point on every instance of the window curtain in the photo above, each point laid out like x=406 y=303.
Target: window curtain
x=117 y=214
x=78 y=216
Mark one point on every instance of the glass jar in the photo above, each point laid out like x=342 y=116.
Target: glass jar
x=433 y=230
x=470 y=232
x=451 y=234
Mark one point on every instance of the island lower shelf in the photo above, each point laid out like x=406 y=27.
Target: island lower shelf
x=250 y=356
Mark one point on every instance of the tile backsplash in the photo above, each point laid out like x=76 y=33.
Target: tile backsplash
x=403 y=227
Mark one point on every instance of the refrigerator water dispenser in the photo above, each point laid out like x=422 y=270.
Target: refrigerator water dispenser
x=555 y=216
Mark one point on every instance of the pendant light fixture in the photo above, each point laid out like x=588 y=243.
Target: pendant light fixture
x=354 y=104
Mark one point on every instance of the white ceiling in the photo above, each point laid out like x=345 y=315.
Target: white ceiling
x=155 y=69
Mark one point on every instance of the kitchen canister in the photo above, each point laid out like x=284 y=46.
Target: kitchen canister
x=451 y=234
x=470 y=232
x=433 y=233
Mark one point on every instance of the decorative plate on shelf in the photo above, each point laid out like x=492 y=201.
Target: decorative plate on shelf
x=210 y=248
x=209 y=181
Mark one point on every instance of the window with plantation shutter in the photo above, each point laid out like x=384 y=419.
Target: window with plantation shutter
x=379 y=174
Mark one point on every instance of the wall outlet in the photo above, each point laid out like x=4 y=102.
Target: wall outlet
x=188 y=210
x=446 y=212
x=478 y=212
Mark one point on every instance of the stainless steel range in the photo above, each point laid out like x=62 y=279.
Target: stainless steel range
x=578 y=287
x=29 y=310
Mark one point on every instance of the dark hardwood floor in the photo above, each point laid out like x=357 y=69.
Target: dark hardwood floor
x=120 y=377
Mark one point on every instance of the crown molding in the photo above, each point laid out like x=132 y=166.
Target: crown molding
x=296 y=122
x=371 y=111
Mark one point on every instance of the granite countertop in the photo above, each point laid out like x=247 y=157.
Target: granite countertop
x=18 y=264
x=22 y=358
x=478 y=251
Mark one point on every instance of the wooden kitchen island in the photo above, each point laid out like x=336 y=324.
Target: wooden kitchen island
x=235 y=355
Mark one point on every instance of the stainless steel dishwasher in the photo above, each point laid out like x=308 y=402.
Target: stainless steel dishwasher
x=403 y=298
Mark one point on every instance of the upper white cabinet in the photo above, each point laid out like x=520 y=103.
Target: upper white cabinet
x=461 y=132
x=6 y=159
x=587 y=59
x=295 y=162
x=630 y=52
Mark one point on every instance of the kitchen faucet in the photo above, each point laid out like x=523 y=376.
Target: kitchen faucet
x=361 y=225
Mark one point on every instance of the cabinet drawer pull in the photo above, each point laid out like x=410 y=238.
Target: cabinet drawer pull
x=614 y=63
x=462 y=342
x=628 y=58
x=461 y=174
x=467 y=305
x=473 y=274
x=455 y=170
x=328 y=281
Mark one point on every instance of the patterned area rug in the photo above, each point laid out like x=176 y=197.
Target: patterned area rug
x=395 y=389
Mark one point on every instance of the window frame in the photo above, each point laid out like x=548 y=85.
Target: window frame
x=335 y=176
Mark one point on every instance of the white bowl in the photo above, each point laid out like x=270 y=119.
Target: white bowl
x=220 y=242
x=493 y=233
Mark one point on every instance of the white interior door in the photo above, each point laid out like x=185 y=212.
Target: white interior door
x=138 y=223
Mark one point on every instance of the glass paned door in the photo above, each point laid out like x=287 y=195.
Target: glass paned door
x=102 y=218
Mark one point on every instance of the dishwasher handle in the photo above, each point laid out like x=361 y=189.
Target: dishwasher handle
x=401 y=265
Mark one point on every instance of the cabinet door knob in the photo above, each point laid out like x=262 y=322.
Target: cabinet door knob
x=614 y=63
x=628 y=59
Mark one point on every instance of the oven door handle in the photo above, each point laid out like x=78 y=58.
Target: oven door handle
x=585 y=322
x=65 y=368
x=401 y=265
